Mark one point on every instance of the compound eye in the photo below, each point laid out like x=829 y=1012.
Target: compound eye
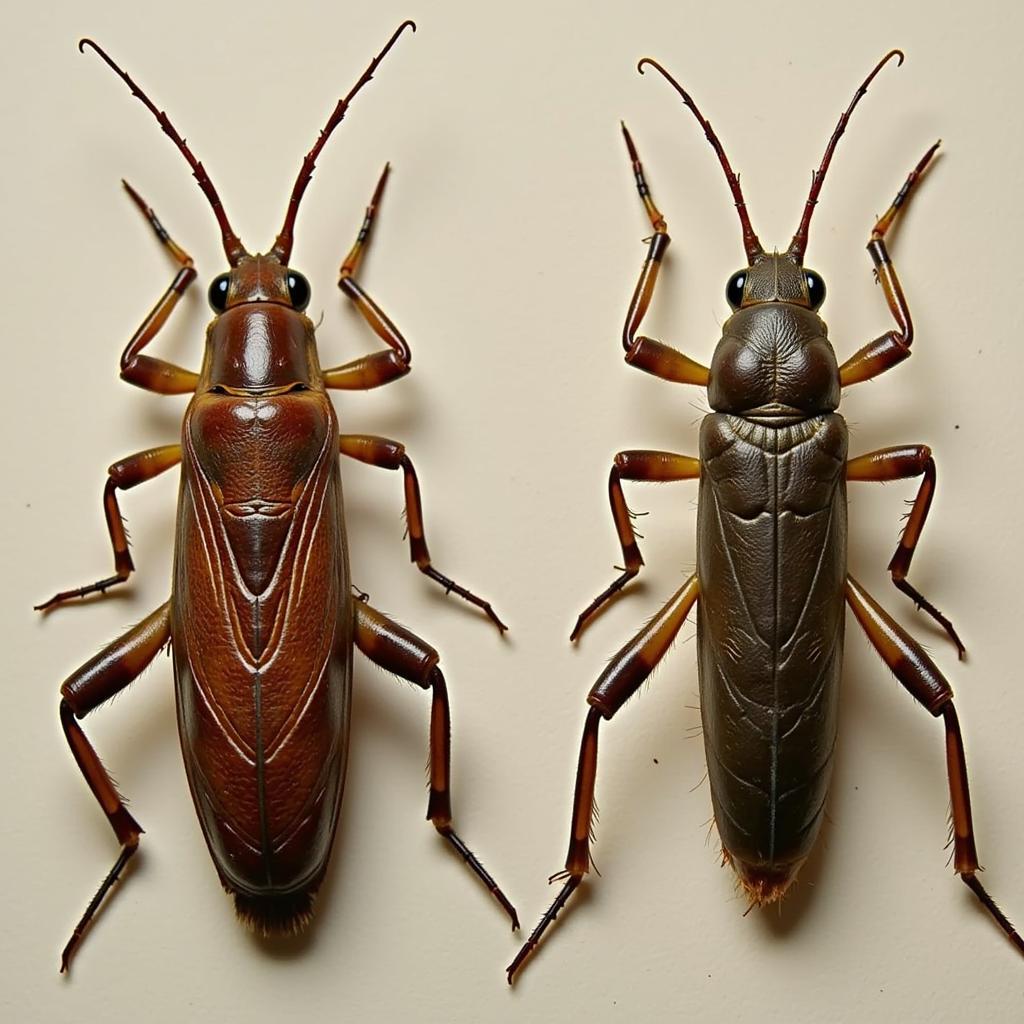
x=298 y=290
x=218 y=293
x=815 y=289
x=734 y=289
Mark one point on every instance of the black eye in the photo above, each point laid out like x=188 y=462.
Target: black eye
x=298 y=290
x=815 y=289
x=218 y=293
x=734 y=289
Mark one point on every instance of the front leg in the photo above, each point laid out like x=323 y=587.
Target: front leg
x=397 y=650
x=144 y=371
x=653 y=467
x=903 y=463
x=386 y=454
x=642 y=352
x=379 y=367
x=894 y=346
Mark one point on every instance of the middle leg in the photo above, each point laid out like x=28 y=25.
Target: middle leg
x=903 y=463
x=379 y=451
x=397 y=650
x=650 y=466
x=122 y=475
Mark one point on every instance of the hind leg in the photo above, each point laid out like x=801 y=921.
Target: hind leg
x=99 y=679
x=926 y=684
x=397 y=650
x=624 y=675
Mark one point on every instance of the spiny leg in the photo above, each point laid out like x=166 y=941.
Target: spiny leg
x=926 y=684
x=122 y=475
x=99 y=679
x=624 y=675
x=646 y=353
x=145 y=371
x=396 y=649
x=379 y=451
x=902 y=463
x=894 y=346
x=379 y=367
x=650 y=466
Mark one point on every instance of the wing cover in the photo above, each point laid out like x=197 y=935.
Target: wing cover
x=771 y=564
x=262 y=626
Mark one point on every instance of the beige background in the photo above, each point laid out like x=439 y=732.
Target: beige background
x=507 y=250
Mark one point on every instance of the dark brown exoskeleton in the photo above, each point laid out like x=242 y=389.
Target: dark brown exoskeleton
x=771 y=577
x=262 y=619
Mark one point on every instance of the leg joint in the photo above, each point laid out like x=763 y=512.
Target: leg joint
x=68 y=711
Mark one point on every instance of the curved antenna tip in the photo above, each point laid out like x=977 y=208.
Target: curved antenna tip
x=283 y=243
x=643 y=61
x=799 y=244
x=84 y=42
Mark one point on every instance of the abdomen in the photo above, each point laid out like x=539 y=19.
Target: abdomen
x=771 y=562
x=262 y=639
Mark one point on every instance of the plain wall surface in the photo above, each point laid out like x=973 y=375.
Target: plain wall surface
x=506 y=250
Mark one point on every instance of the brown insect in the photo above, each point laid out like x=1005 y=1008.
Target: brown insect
x=771 y=577
x=262 y=620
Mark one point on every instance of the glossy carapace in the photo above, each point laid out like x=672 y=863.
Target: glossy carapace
x=262 y=619
x=771 y=581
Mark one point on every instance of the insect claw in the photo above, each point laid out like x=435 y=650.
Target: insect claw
x=493 y=616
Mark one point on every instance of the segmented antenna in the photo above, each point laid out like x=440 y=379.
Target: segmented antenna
x=283 y=244
x=233 y=247
x=799 y=244
x=750 y=241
